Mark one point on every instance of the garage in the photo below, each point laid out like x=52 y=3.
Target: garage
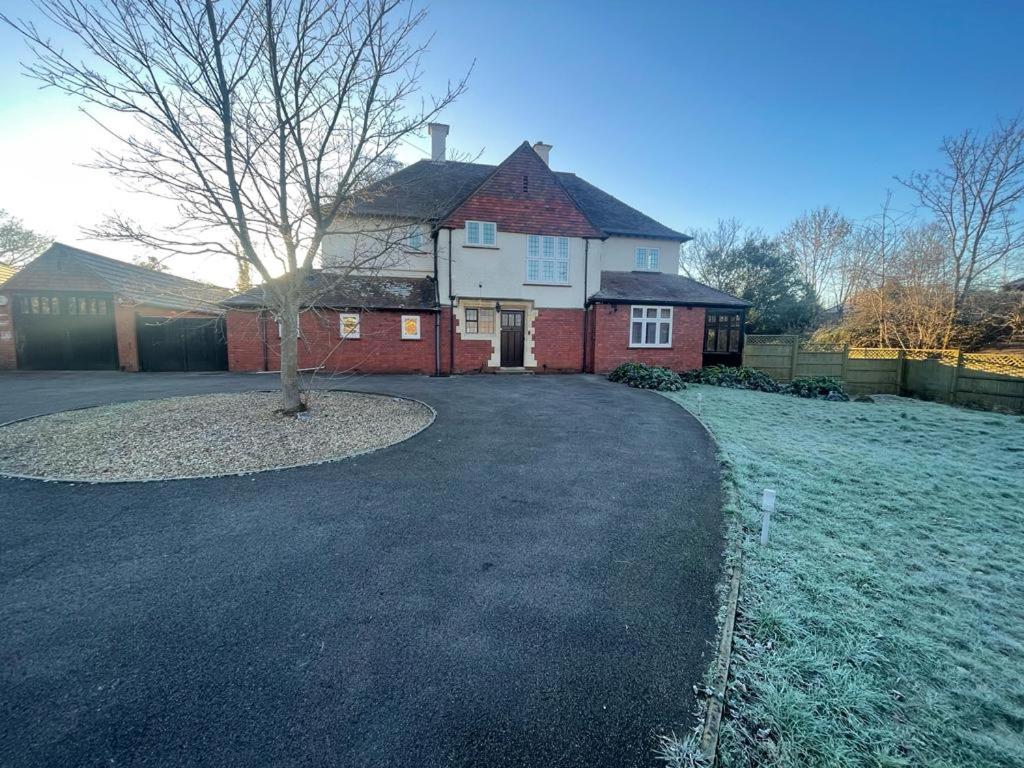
x=182 y=343
x=71 y=332
x=71 y=309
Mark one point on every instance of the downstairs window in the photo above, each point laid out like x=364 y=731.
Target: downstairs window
x=650 y=327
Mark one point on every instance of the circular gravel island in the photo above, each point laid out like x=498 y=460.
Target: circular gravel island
x=204 y=436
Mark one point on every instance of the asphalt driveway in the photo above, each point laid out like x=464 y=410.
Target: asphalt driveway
x=528 y=582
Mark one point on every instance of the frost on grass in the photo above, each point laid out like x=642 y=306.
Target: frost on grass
x=204 y=435
x=884 y=624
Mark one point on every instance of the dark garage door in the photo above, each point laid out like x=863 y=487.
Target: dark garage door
x=182 y=344
x=60 y=332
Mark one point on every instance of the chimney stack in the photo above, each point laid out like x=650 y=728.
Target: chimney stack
x=544 y=150
x=438 y=141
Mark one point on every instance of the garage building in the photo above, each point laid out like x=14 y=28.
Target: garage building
x=70 y=309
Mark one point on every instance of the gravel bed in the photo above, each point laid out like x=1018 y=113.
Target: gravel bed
x=204 y=435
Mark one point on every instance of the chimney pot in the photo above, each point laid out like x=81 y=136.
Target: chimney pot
x=438 y=141
x=544 y=150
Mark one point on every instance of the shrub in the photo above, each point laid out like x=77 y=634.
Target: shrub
x=735 y=378
x=643 y=376
x=827 y=387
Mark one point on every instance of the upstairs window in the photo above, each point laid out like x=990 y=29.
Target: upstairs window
x=650 y=327
x=547 y=259
x=647 y=259
x=415 y=240
x=481 y=233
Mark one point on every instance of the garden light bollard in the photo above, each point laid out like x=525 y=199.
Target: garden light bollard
x=700 y=403
x=767 y=507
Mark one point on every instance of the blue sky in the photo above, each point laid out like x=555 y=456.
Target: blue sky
x=689 y=111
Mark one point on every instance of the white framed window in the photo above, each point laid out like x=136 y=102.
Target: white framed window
x=479 y=321
x=647 y=259
x=481 y=233
x=547 y=259
x=650 y=326
x=298 y=328
x=410 y=326
x=414 y=241
x=348 y=325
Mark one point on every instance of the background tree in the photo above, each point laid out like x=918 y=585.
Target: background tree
x=18 y=243
x=700 y=258
x=150 y=261
x=820 y=241
x=976 y=198
x=259 y=118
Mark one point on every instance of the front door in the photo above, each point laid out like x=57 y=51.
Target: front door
x=512 y=338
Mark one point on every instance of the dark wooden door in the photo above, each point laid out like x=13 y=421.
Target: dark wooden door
x=512 y=338
x=182 y=344
x=57 y=331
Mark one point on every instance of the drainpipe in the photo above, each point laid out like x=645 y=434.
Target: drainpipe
x=586 y=270
x=451 y=311
x=263 y=337
x=437 y=312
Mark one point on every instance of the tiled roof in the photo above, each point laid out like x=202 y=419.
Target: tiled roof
x=84 y=270
x=660 y=288
x=427 y=190
x=330 y=289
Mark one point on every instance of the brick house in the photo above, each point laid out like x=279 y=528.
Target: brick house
x=73 y=309
x=485 y=268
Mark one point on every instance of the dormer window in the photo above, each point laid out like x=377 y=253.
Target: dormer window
x=647 y=259
x=481 y=233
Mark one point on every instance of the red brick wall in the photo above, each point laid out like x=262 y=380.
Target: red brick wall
x=610 y=341
x=8 y=351
x=380 y=348
x=544 y=207
x=471 y=355
x=558 y=340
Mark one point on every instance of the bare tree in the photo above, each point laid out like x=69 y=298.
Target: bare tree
x=18 y=243
x=976 y=199
x=259 y=118
x=150 y=261
x=701 y=257
x=820 y=241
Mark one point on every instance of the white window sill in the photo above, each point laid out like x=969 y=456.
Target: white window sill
x=552 y=285
x=650 y=346
x=484 y=247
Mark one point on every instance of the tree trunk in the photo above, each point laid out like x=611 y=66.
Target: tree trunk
x=291 y=401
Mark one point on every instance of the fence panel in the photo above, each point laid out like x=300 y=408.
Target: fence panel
x=991 y=381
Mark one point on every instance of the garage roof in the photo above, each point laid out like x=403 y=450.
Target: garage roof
x=65 y=268
x=325 y=288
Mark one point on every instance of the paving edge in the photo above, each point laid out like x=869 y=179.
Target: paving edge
x=241 y=473
x=719 y=685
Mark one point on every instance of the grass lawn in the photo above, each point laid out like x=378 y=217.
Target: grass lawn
x=884 y=623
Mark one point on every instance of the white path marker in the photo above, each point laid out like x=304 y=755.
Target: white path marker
x=700 y=402
x=767 y=507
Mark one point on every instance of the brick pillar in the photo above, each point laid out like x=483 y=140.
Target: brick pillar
x=8 y=350
x=127 y=341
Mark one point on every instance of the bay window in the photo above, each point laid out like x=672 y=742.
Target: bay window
x=650 y=326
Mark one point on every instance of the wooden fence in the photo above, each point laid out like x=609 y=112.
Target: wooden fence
x=989 y=381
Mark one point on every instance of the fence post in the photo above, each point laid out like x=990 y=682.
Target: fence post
x=796 y=355
x=846 y=365
x=955 y=378
x=901 y=367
